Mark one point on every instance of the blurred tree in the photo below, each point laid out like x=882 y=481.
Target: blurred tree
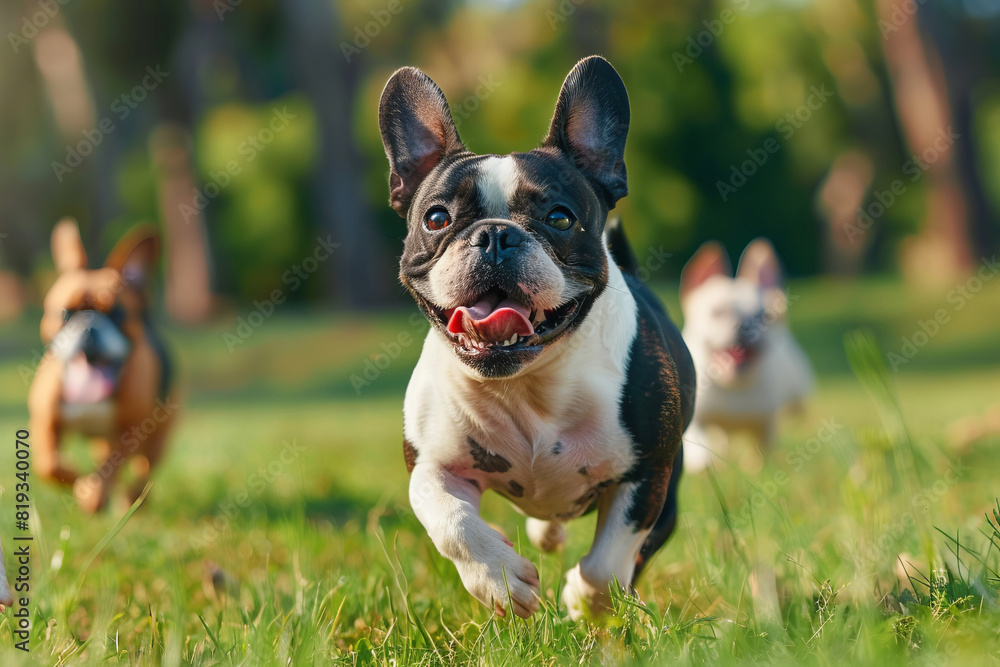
x=359 y=275
x=962 y=42
x=711 y=83
x=942 y=250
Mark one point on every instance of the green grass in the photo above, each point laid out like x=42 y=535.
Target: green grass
x=880 y=551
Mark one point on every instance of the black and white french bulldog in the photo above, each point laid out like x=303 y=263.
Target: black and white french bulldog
x=549 y=374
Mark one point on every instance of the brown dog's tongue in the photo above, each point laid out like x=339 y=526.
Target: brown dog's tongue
x=83 y=383
x=491 y=320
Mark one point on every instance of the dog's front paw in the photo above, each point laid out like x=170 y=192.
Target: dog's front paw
x=485 y=582
x=584 y=599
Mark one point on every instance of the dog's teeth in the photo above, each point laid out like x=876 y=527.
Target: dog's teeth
x=513 y=340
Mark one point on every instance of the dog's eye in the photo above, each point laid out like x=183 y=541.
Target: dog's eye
x=560 y=218
x=437 y=219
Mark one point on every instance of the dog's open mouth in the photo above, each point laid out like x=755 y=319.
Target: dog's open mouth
x=495 y=322
x=736 y=356
x=84 y=382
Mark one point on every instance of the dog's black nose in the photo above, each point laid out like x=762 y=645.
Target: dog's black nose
x=498 y=242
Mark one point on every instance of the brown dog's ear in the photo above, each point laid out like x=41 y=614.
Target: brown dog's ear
x=710 y=260
x=759 y=264
x=417 y=132
x=135 y=256
x=67 y=247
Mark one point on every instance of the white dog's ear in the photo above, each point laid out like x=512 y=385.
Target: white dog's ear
x=710 y=260
x=759 y=264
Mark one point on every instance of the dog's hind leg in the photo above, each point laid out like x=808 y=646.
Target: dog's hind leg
x=624 y=542
x=143 y=462
x=91 y=491
x=545 y=535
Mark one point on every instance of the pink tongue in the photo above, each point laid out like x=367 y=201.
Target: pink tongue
x=83 y=383
x=491 y=320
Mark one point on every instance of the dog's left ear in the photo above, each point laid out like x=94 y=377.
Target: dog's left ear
x=135 y=256
x=759 y=264
x=417 y=132
x=590 y=125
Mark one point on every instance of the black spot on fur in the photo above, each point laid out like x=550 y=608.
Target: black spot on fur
x=557 y=449
x=582 y=470
x=486 y=461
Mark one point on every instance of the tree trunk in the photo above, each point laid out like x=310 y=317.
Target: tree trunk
x=941 y=251
x=360 y=275
x=188 y=297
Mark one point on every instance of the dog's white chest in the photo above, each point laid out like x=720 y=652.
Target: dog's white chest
x=549 y=442
x=550 y=439
x=548 y=472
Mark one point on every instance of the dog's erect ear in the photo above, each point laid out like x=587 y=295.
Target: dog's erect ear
x=67 y=247
x=135 y=256
x=417 y=132
x=590 y=125
x=759 y=264
x=710 y=260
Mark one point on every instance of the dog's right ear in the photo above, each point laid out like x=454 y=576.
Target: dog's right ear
x=135 y=256
x=417 y=132
x=759 y=264
x=67 y=247
x=710 y=260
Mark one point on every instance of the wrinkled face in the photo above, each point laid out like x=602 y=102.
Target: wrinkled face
x=102 y=291
x=731 y=320
x=93 y=318
x=729 y=317
x=505 y=254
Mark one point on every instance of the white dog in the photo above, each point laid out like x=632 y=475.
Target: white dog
x=749 y=366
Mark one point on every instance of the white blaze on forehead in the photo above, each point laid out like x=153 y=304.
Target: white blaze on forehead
x=498 y=180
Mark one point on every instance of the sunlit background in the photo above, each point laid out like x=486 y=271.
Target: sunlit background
x=862 y=137
x=117 y=113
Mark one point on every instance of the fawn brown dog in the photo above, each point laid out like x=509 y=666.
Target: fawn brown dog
x=105 y=373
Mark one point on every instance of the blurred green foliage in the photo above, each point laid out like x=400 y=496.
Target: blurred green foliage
x=262 y=219
x=709 y=82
